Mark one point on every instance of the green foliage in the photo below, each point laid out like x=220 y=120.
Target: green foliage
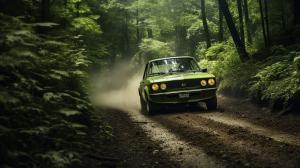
x=297 y=63
x=276 y=79
x=43 y=103
x=151 y=49
x=154 y=49
x=86 y=24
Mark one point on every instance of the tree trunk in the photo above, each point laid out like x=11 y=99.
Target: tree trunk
x=45 y=15
x=247 y=20
x=263 y=23
x=283 y=18
x=241 y=20
x=296 y=12
x=45 y=11
x=267 y=22
x=180 y=41
x=150 y=33
x=77 y=6
x=233 y=31
x=205 y=25
x=177 y=41
x=126 y=39
x=221 y=28
x=138 y=35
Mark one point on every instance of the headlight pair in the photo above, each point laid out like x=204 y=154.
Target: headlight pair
x=210 y=82
x=156 y=87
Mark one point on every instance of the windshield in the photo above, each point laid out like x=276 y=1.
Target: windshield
x=173 y=65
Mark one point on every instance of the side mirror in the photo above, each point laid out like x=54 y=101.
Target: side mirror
x=204 y=70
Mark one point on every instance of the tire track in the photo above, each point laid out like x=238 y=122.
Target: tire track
x=279 y=136
x=231 y=142
x=188 y=155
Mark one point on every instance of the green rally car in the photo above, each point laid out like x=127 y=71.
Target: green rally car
x=175 y=80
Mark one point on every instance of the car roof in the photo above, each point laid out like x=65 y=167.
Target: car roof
x=170 y=58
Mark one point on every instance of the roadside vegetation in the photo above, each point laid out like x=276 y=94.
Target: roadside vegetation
x=49 y=49
x=271 y=81
x=45 y=114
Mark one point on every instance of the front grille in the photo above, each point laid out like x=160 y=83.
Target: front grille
x=199 y=95
x=185 y=84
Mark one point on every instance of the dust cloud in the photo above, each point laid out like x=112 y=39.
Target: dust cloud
x=116 y=88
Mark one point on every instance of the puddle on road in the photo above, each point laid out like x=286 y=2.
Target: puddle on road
x=188 y=155
x=278 y=136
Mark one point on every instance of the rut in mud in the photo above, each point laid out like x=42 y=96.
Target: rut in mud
x=194 y=137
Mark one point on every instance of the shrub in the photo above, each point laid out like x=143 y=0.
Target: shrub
x=274 y=79
x=44 y=108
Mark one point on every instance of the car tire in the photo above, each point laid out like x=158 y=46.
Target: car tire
x=148 y=107
x=212 y=104
x=143 y=106
x=151 y=108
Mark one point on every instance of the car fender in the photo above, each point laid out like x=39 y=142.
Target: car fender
x=146 y=93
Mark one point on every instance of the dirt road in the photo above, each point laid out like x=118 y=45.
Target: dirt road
x=184 y=136
x=239 y=134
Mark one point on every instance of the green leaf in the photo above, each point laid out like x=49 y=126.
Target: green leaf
x=49 y=96
x=44 y=24
x=61 y=73
x=7 y=98
x=69 y=112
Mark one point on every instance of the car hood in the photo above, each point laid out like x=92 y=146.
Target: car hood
x=179 y=76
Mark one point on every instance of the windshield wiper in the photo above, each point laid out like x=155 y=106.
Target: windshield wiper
x=157 y=73
x=182 y=71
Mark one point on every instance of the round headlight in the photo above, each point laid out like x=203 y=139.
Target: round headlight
x=203 y=83
x=211 y=82
x=155 y=87
x=163 y=86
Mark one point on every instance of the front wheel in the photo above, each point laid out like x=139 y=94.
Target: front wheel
x=143 y=105
x=212 y=103
x=148 y=107
x=151 y=108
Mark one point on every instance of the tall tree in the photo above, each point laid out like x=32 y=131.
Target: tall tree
x=126 y=36
x=138 y=35
x=267 y=22
x=283 y=14
x=221 y=27
x=45 y=10
x=296 y=12
x=180 y=40
x=263 y=23
x=233 y=31
x=247 y=21
x=205 y=25
x=241 y=20
x=149 y=33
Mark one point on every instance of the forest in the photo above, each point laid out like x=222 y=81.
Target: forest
x=50 y=49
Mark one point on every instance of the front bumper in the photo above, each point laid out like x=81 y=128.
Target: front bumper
x=173 y=97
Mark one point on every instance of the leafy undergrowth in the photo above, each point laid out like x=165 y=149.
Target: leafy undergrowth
x=273 y=81
x=44 y=112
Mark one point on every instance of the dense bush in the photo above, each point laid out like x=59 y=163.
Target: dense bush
x=274 y=80
x=44 y=108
